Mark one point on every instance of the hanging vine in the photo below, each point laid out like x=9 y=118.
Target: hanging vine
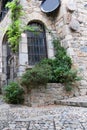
x=14 y=29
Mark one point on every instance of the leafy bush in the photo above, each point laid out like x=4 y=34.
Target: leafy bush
x=13 y=93
x=56 y=70
x=38 y=75
x=61 y=71
x=62 y=59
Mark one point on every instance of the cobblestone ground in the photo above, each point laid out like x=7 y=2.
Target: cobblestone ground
x=42 y=118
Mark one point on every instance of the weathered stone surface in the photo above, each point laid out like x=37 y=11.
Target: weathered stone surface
x=58 y=24
x=71 y=5
x=45 y=118
x=53 y=92
x=84 y=49
x=74 y=24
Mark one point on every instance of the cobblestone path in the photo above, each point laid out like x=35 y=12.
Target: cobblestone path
x=42 y=118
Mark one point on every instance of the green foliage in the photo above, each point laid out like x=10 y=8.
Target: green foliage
x=39 y=75
x=61 y=71
x=16 y=9
x=57 y=70
x=14 y=29
x=62 y=59
x=13 y=93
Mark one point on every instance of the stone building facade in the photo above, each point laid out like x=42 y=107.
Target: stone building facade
x=68 y=22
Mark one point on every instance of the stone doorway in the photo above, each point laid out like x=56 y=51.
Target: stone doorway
x=8 y=62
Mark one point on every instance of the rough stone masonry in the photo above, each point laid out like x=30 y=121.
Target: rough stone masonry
x=69 y=24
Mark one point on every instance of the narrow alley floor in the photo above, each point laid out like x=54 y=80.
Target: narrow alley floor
x=52 y=117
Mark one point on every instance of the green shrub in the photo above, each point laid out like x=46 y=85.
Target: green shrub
x=13 y=93
x=57 y=70
x=39 y=75
x=61 y=71
x=61 y=57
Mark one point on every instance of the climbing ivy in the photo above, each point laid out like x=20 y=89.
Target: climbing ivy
x=14 y=29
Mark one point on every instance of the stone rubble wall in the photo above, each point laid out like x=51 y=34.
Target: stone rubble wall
x=79 y=43
x=49 y=94
x=75 y=41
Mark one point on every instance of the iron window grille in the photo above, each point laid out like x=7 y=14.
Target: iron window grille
x=37 y=49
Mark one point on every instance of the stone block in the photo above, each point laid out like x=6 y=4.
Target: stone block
x=50 y=53
x=74 y=24
x=70 y=51
x=71 y=5
x=67 y=18
x=24 y=48
x=83 y=49
x=68 y=37
x=81 y=54
x=83 y=83
x=83 y=92
x=23 y=58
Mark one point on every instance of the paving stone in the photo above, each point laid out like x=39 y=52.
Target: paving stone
x=52 y=117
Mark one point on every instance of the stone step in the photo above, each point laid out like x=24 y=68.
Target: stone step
x=80 y=101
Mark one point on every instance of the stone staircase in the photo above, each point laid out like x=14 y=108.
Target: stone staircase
x=80 y=101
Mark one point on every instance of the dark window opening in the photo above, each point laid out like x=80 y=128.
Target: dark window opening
x=3 y=9
x=8 y=62
x=37 y=49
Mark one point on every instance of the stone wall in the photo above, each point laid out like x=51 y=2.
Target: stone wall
x=79 y=43
x=48 y=95
x=72 y=30
x=73 y=35
x=33 y=12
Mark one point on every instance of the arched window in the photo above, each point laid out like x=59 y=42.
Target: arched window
x=36 y=43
